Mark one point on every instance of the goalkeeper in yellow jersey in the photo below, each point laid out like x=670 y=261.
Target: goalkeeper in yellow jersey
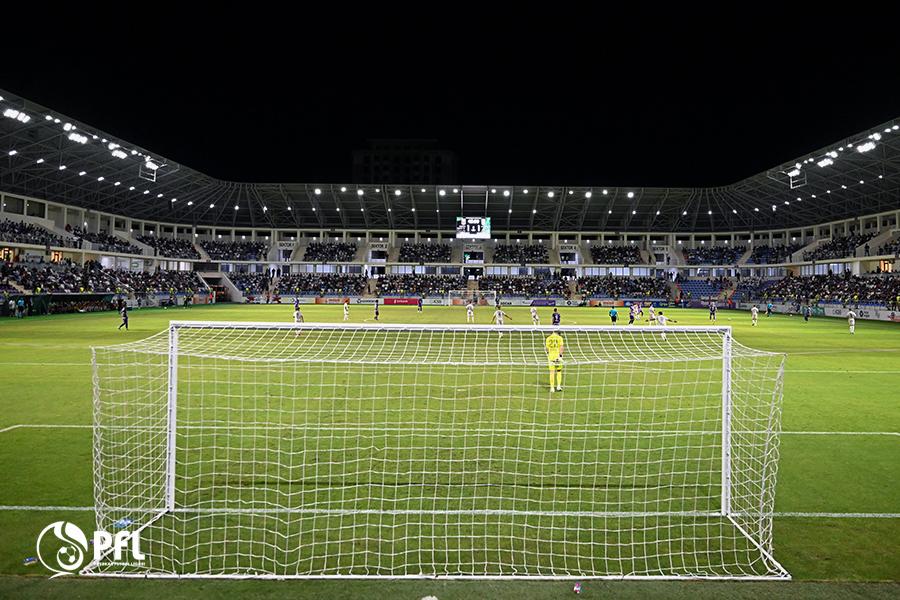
x=554 y=348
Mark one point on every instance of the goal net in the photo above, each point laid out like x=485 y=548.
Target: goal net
x=476 y=297
x=272 y=450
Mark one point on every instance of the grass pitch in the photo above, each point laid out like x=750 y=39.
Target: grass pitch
x=839 y=481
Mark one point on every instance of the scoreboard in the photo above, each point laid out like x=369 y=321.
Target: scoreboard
x=473 y=227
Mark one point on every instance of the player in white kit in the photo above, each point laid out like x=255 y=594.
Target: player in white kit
x=851 y=321
x=346 y=310
x=535 y=319
x=498 y=317
x=298 y=318
x=754 y=316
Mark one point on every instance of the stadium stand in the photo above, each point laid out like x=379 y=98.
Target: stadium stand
x=838 y=247
x=143 y=282
x=703 y=288
x=892 y=247
x=234 y=250
x=612 y=286
x=615 y=255
x=322 y=284
x=771 y=255
x=169 y=247
x=526 y=286
x=106 y=243
x=714 y=255
x=750 y=287
x=846 y=289
x=27 y=233
x=330 y=252
x=250 y=283
x=419 y=285
x=521 y=254
x=425 y=253
x=62 y=278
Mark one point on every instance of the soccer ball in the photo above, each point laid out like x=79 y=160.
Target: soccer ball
x=577 y=588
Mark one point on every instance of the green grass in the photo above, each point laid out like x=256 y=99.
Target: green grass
x=833 y=382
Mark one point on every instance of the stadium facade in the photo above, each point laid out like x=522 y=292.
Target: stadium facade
x=74 y=194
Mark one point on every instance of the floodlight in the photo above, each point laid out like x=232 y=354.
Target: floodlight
x=630 y=194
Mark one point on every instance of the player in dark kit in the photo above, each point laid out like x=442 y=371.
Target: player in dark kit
x=712 y=311
x=556 y=316
x=124 y=313
x=376 y=310
x=420 y=303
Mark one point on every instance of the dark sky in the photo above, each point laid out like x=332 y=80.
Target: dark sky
x=648 y=99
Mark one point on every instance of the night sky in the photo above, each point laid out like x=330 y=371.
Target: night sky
x=680 y=99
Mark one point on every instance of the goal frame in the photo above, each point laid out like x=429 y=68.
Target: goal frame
x=725 y=509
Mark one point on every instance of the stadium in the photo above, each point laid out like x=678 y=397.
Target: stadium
x=341 y=387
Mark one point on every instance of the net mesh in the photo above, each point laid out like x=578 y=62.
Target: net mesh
x=429 y=451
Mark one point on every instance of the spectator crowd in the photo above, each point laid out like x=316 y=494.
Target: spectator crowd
x=170 y=247
x=425 y=253
x=234 y=250
x=330 y=252
x=250 y=284
x=614 y=286
x=322 y=284
x=838 y=247
x=419 y=285
x=892 y=247
x=615 y=255
x=714 y=255
x=26 y=233
x=772 y=255
x=512 y=285
x=105 y=242
x=845 y=288
x=160 y=282
x=60 y=278
x=517 y=254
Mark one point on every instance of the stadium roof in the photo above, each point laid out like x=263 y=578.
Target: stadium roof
x=48 y=155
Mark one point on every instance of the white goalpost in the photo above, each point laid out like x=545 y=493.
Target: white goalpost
x=274 y=450
x=476 y=297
